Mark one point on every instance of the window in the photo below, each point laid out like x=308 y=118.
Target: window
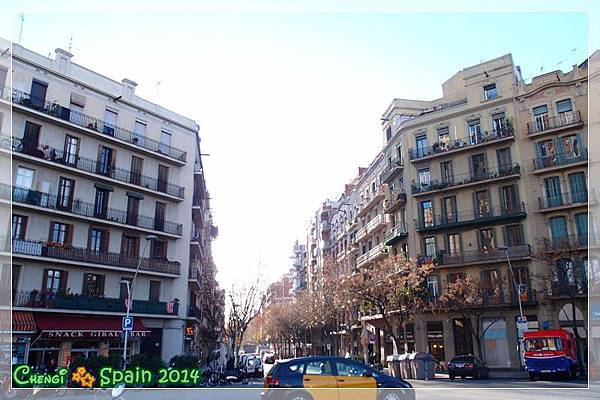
x=513 y=235
x=570 y=145
x=101 y=203
x=424 y=178
x=60 y=233
x=540 y=117
x=158 y=249
x=154 y=294
x=165 y=141
x=24 y=178
x=429 y=247
x=421 y=146
x=137 y=165
x=76 y=106
x=98 y=240
x=19 y=227
x=388 y=134
x=581 y=223
x=139 y=132
x=474 y=128
x=163 y=178
x=510 y=199
x=478 y=167
x=558 y=229
x=427 y=213
x=522 y=278
x=450 y=213
x=446 y=171
x=578 y=187
x=318 y=368
x=504 y=161
x=564 y=108
x=133 y=208
x=66 y=189
x=487 y=241
x=490 y=91
x=444 y=138
x=455 y=276
x=159 y=216
x=399 y=153
x=3 y=75
x=54 y=280
x=453 y=242
x=433 y=286
x=499 y=125
x=93 y=285
x=347 y=368
x=71 y=150
x=38 y=93
x=482 y=204
x=493 y=283
x=553 y=191
x=105 y=161
x=31 y=136
x=110 y=122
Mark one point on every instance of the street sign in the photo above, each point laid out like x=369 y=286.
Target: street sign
x=127 y=323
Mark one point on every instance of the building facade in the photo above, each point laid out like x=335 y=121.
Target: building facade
x=495 y=170
x=101 y=186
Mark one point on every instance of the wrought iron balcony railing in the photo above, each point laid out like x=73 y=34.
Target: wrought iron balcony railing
x=391 y=170
x=82 y=208
x=563 y=199
x=58 y=156
x=547 y=122
x=78 y=254
x=54 y=109
x=559 y=159
x=64 y=301
x=489 y=254
x=467 y=217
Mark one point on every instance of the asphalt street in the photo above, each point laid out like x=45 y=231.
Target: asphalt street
x=438 y=389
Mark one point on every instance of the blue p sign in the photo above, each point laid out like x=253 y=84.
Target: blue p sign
x=127 y=323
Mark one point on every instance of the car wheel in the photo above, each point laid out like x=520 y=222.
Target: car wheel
x=300 y=396
x=574 y=372
x=477 y=374
x=531 y=376
x=451 y=377
x=390 y=395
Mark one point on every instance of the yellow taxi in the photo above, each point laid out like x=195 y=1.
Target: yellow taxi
x=331 y=378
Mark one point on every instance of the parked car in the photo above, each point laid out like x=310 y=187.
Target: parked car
x=253 y=364
x=305 y=378
x=464 y=366
x=551 y=353
x=268 y=362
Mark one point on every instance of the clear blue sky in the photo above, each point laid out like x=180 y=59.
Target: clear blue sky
x=289 y=103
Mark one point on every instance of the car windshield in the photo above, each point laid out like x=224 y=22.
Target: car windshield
x=543 y=344
x=464 y=359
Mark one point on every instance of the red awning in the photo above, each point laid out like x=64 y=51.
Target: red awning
x=23 y=322
x=77 y=326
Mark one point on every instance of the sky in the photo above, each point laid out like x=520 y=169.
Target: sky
x=289 y=103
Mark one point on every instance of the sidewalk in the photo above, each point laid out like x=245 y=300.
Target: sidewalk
x=493 y=374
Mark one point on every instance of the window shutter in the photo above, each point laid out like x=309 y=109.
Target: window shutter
x=64 y=275
x=505 y=235
x=50 y=231
x=101 y=285
x=84 y=289
x=105 y=241
x=69 y=235
x=45 y=279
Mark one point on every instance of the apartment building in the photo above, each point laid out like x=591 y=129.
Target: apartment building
x=102 y=186
x=318 y=243
x=455 y=184
x=298 y=269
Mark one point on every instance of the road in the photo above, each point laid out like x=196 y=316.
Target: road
x=439 y=389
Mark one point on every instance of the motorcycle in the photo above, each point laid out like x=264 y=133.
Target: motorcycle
x=228 y=377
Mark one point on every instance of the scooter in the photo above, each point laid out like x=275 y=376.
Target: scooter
x=233 y=376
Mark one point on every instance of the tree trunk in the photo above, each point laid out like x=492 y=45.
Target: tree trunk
x=405 y=337
x=577 y=340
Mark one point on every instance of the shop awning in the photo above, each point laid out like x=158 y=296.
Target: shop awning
x=89 y=327
x=23 y=322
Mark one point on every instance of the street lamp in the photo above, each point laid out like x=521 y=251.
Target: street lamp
x=518 y=289
x=129 y=286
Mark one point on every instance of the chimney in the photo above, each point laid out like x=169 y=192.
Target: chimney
x=128 y=88
x=62 y=58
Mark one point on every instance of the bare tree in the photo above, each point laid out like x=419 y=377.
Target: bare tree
x=244 y=306
x=472 y=299
x=393 y=290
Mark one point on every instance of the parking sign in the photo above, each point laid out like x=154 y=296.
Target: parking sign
x=127 y=323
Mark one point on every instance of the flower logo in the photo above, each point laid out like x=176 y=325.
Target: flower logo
x=84 y=378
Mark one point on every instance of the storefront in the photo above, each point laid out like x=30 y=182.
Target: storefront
x=63 y=338
x=435 y=340
x=23 y=328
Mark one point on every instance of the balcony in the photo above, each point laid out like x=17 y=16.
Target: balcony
x=562 y=201
x=361 y=233
x=471 y=217
x=89 y=123
x=195 y=277
x=87 y=210
x=457 y=145
x=59 y=251
x=528 y=297
x=58 y=157
x=378 y=222
x=395 y=200
x=390 y=172
x=569 y=288
x=194 y=312
x=560 y=160
x=325 y=227
x=483 y=256
x=396 y=234
x=370 y=201
x=62 y=301
x=467 y=179
x=374 y=254
x=549 y=124
x=566 y=243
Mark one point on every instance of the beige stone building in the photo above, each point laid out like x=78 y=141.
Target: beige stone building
x=495 y=168
x=103 y=181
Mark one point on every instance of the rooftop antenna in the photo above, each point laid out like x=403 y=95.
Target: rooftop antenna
x=71 y=42
x=158 y=84
x=21 y=29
